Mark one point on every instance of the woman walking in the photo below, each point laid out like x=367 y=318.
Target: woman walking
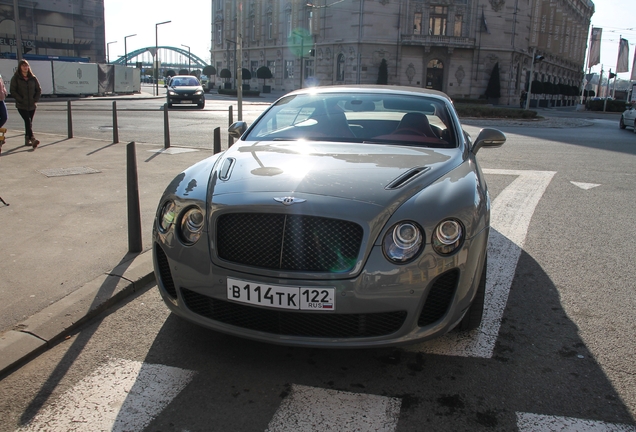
x=25 y=89
x=4 y=116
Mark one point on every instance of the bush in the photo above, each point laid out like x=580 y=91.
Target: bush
x=612 y=105
x=494 y=84
x=475 y=110
x=209 y=70
x=383 y=73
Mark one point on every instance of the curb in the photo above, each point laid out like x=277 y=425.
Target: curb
x=47 y=327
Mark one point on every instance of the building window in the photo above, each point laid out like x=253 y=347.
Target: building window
x=417 y=23
x=288 y=23
x=254 y=67
x=309 y=15
x=218 y=5
x=219 y=33
x=457 y=31
x=252 y=29
x=271 y=64
x=289 y=69
x=270 y=26
x=340 y=71
x=309 y=68
x=437 y=20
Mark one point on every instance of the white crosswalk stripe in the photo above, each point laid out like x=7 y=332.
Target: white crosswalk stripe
x=314 y=409
x=121 y=395
x=527 y=422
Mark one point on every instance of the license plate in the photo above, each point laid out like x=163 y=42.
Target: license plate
x=186 y=101
x=281 y=297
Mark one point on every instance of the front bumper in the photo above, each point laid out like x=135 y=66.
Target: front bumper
x=384 y=305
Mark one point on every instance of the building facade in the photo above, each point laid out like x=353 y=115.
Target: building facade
x=72 y=29
x=447 y=45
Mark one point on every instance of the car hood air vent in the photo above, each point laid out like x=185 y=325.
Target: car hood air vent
x=406 y=177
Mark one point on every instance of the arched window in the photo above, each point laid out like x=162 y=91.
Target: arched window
x=340 y=67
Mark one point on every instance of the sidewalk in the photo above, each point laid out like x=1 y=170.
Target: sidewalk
x=64 y=233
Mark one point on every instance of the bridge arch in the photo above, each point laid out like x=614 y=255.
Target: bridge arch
x=170 y=58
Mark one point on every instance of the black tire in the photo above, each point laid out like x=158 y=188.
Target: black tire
x=201 y=105
x=472 y=319
x=621 y=124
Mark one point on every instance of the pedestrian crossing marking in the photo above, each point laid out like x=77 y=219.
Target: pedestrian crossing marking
x=121 y=395
x=313 y=409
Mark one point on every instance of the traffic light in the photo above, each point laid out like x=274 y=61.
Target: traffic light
x=538 y=58
x=611 y=75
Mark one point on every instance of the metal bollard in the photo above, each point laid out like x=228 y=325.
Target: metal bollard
x=217 y=140
x=134 y=211
x=69 y=119
x=230 y=140
x=166 y=127
x=115 y=125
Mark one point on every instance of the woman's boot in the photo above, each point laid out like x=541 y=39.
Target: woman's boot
x=34 y=142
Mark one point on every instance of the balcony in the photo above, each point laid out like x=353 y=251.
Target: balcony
x=437 y=41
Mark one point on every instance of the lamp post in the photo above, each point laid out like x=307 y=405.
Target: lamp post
x=18 y=33
x=535 y=59
x=188 y=56
x=157 y=55
x=108 y=51
x=126 y=49
x=302 y=58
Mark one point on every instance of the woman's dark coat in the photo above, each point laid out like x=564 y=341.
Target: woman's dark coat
x=25 y=92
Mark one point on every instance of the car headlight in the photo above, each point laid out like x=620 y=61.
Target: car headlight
x=448 y=236
x=166 y=217
x=403 y=242
x=198 y=92
x=171 y=93
x=191 y=225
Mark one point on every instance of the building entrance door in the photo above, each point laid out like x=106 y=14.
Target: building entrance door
x=435 y=75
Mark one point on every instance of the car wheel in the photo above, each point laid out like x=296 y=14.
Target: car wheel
x=201 y=105
x=473 y=316
x=621 y=124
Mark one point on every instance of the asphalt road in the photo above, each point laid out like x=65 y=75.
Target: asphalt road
x=561 y=357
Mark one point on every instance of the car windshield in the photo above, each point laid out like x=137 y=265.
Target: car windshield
x=184 y=82
x=358 y=117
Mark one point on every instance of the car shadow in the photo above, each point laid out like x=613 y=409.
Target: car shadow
x=540 y=365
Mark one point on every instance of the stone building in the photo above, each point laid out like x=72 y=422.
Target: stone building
x=72 y=29
x=448 y=45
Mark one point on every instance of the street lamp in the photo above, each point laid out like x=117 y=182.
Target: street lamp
x=157 y=55
x=108 y=51
x=535 y=59
x=126 y=49
x=188 y=56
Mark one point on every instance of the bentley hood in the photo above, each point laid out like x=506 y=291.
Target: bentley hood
x=375 y=174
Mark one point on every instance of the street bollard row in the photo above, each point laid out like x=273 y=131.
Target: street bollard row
x=166 y=127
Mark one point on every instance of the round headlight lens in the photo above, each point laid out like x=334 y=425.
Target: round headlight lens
x=166 y=216
x=403 y=242
x=448 y=237
x=191 y=226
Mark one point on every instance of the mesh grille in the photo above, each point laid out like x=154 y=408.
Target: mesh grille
x=289 y=242
x=294 y=323
x=164 y=272
x=439 y=298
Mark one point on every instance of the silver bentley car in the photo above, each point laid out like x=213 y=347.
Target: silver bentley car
x=348 y=216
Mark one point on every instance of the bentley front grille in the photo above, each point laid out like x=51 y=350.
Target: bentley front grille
x=288 y=242
x=281 y=322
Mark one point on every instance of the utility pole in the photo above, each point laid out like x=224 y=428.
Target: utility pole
x=18 y=35
x=239 y=63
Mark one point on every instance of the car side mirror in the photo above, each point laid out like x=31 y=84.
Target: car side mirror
x=488 y=138
x=237 y=129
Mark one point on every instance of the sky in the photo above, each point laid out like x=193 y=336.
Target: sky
x=191 y=25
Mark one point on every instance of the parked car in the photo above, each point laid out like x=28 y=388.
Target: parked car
x=628 y=118
x=185 y=89
x=346 y=216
